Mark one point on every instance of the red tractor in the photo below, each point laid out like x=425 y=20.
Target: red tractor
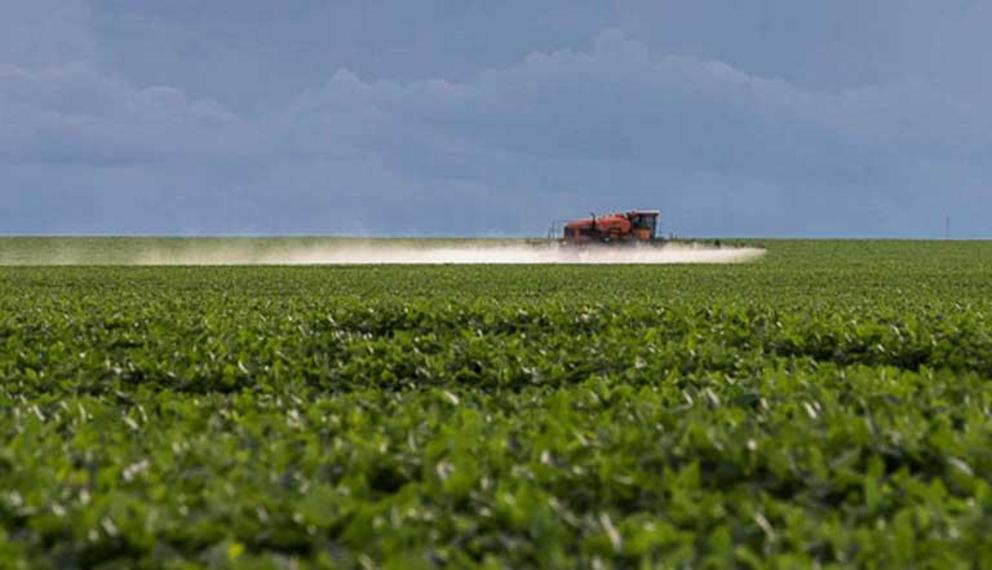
x=635 y=226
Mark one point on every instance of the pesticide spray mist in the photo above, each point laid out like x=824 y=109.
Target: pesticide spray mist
x=347 y=251
x=386 y=253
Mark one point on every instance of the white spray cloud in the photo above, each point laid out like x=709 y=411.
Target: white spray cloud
x=496 y=254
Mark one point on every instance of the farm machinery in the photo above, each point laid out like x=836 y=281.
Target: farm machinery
x=633 y=227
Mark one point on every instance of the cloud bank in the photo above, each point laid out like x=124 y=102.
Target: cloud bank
x=502 y=151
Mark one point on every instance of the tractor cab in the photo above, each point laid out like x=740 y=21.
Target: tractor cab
x=644 y=224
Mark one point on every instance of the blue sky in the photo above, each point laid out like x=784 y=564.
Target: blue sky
x=445 y=117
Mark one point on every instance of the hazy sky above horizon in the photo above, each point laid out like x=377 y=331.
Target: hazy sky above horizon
x=470 y=117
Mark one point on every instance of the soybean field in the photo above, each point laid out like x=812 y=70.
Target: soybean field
x=827 y=405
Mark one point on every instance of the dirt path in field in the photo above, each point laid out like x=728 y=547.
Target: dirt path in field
x=474 y=254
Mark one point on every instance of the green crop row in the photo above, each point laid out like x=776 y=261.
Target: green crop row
x=827 y=406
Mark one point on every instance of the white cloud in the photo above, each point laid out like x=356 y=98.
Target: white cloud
x=558 y=133
x=76 y=113
x=622 y=105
